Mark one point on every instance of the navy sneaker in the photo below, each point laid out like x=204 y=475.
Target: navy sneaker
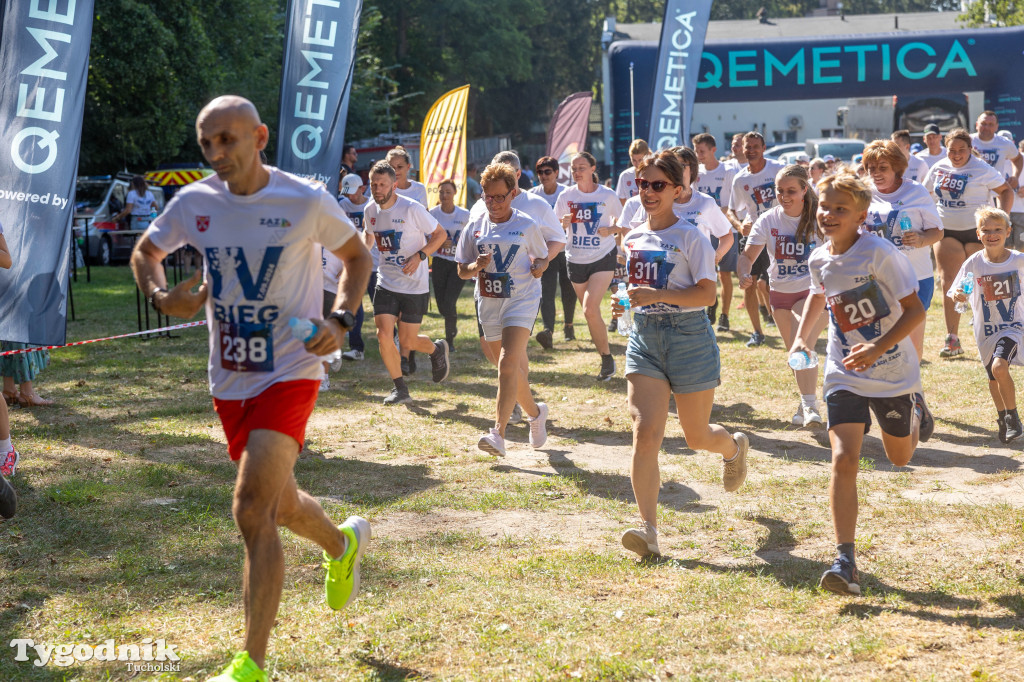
x=842 y=578
x=925 y=417
x=756 y=339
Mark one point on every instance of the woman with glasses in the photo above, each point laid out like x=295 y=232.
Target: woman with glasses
x=790 y=232
x=556 y=275
x=505 y=250
x=588 y=212
x=672 y=350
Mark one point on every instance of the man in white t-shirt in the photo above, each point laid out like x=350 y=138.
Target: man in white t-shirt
x=626 y=186
x=406 y=234
x=738 y=160
x=933 y=151
x=715 y=179
x=1017 y=210
x=994 y=148
x=260 y=230
x=916 y=168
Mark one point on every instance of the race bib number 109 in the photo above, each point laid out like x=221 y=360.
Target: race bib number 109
x=246 y=347
x=859 y=307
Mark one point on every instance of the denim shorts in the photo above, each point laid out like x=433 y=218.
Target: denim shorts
x=679 y=348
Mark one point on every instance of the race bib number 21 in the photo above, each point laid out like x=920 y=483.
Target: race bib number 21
x=246 y=347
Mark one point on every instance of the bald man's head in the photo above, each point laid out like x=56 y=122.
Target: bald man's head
x=232 y=136
x=233 y=106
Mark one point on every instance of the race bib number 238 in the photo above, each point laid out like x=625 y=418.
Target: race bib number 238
x=246 y=347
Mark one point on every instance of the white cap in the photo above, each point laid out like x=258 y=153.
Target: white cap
x=1007 y=134
x=351 y=183
x=828 y=157
x=802 y=157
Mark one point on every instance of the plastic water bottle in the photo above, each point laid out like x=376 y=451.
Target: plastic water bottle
x=626 y=319
x=905 y=225
x=802 y=359
x=302 y=329
x=966 y=286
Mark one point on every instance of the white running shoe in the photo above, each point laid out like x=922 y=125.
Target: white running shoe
x=351 y=355
x=538 y=426
x=516 y=416
x=325 y=383
x=642 y=540
x=492 y=443
x=811 y=416
x=798 y=416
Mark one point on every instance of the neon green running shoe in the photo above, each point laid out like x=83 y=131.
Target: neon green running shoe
x=241 y=669
x=342 y=581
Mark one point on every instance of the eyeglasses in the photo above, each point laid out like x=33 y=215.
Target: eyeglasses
x=544 y=171
x=656 y=186
x=496 y=198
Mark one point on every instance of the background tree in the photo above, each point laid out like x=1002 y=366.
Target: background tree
x=1000 y=12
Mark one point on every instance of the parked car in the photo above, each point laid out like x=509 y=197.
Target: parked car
x=780 y=149
x=843 y=148
x=97 y=200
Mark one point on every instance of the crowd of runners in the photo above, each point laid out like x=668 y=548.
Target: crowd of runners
x=855 y=247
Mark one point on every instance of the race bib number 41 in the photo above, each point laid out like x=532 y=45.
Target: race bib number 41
x=494 y=284
x=387 y=241
x=859 y=307
x=648 y=269
x=999 y=287
x=246 y=347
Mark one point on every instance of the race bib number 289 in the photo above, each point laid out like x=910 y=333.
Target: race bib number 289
x=859 y=307
x=246 y=347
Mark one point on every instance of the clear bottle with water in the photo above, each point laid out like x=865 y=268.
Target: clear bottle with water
x=302 y=329
x=803 y=359
x=966 y=286
x=905 y=225
x=626 y=319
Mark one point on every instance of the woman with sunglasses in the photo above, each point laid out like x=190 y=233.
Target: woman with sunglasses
x=505 y=250
x=672 y=350
x=588 y=212
x=790 y=232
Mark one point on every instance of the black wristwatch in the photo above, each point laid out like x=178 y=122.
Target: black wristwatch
x=151 y=299
x=346 y=319
x=423 y=256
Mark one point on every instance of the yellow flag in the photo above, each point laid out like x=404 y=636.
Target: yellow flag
x=443 y=145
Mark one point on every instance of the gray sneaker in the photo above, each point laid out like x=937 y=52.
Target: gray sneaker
x=642 y=540
x=439 y=362
x=734 y=472
x=516 y=416
x=397 y=397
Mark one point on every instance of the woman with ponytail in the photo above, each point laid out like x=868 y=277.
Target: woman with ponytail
x=790 y=232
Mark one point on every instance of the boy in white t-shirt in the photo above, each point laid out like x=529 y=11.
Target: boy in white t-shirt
x=626 y=185
x=998 y=312
x=871 y=291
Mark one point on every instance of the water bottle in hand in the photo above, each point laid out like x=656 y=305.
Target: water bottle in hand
x=802 y=359
x=905 y=225
x=302 y=329
x=966 y=286
x=626 y=319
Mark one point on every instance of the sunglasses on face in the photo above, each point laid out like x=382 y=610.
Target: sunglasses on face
x=545 y=171
x=656 y=186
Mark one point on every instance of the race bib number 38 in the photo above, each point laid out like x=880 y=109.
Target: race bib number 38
x=246 y=347
x=494 y=284
x=999 y=287
x=859 y=307
x=647 y=269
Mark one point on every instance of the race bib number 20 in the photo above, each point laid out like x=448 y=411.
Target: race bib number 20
x=859 y=307
x=246 y=347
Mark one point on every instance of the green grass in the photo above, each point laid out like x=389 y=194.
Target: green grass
x=484 y=569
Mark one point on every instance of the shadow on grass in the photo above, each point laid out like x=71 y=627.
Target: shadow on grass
x=388 y=672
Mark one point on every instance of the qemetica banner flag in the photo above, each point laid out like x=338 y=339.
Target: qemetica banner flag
x=443 y=145
x=44 y=67
x=675 y=87
x=567 y=133
x=318 y=59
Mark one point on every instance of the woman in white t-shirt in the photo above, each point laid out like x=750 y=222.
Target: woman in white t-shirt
x=962 y=183
x=672 y=350
x=140 y=204
x=790 y=232
x=399 y=159
x=894 y=198
x=444 y=273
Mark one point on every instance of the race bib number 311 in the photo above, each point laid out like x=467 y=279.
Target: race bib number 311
x=494 y=284
x=246 y=347
x=647 y=269
x=859 y=307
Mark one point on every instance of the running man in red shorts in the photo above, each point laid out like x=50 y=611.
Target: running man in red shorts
x=260 y=231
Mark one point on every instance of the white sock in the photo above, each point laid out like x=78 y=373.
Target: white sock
x=809 y=400
x=5 y=445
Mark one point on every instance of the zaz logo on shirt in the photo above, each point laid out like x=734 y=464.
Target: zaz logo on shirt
x=585 y=214
x=231 y=261
x=764 y=196
x=274 y=222
x=951 y=184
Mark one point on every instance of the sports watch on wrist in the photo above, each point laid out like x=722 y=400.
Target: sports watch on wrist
x=346 y=319
x=422 y=255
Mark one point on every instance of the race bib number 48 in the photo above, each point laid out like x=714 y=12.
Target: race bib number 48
x=494 y=284
x=647 y=269
x=859 y=307
x=999 y=287
x=246 y=347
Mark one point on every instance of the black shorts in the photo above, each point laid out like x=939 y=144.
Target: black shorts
x=759 y=268
x=1006 y=349
x=411 y=307
x=894 y=415
x=579 y=274
x=329 y=297
x=962 y=236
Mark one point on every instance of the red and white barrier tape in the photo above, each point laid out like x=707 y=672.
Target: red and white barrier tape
x=106 y=338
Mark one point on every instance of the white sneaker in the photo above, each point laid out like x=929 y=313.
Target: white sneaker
x=798 y=416
x=810 y=415
x=516 y=416
x=538 y=426
x=335 y=360
x=642 y=540
x=325 y=383
x=492 y=443
x=351 y=355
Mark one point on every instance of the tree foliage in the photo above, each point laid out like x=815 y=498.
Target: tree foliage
x=994 y=12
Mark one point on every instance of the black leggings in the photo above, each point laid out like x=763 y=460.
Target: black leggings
x=549 y=281
x=447 y=287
